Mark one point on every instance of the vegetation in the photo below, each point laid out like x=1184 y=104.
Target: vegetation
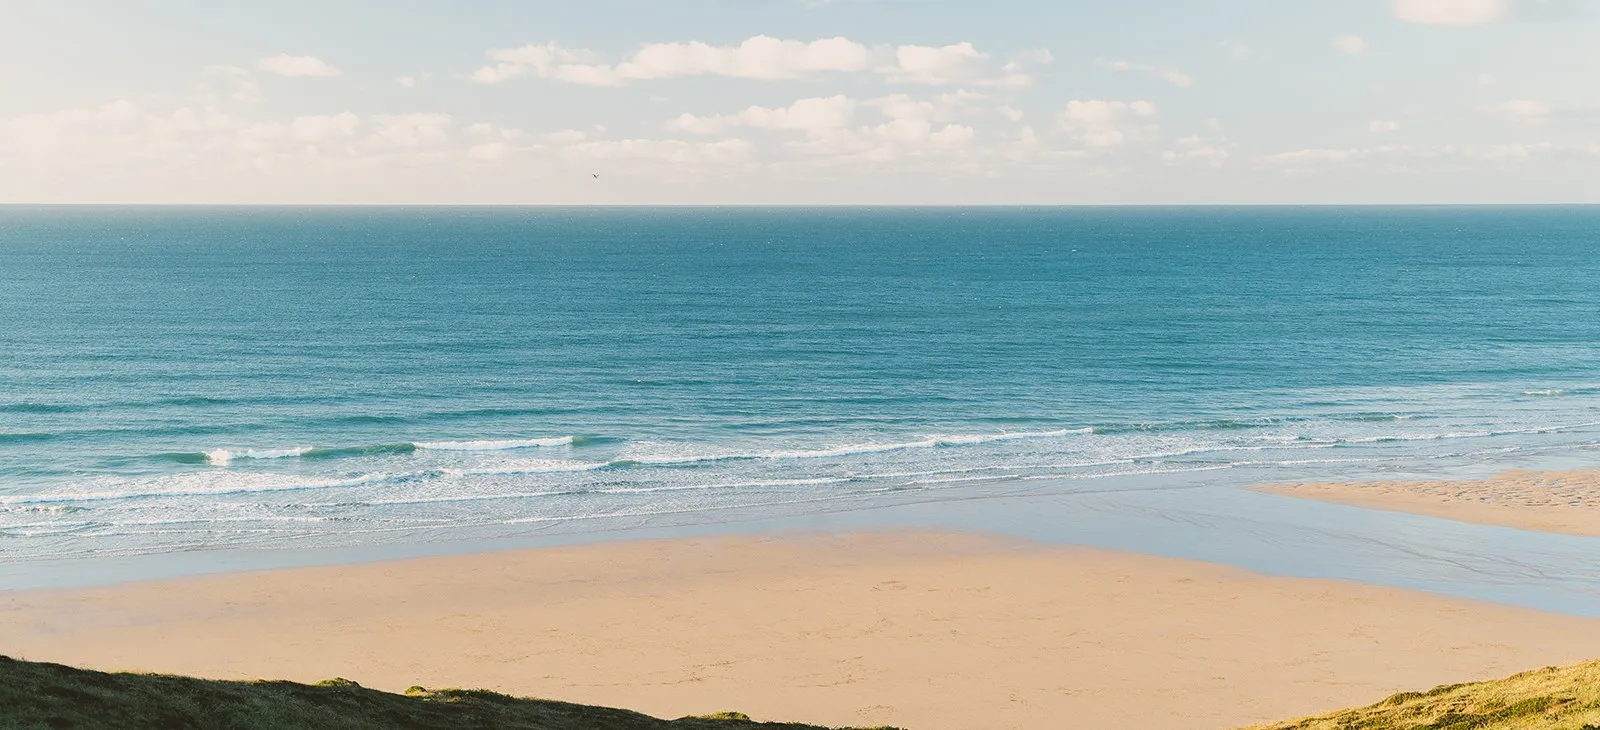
x=47 y=696
x=40 y=696
x=1566 y=698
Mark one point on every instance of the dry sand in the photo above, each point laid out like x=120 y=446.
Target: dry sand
x=1567 y=502
x=925 y=631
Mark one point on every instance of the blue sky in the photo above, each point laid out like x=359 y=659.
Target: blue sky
x=801 y=101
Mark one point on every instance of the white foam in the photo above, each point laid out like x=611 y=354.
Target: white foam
x=958 y=480
x=988 y=438
x=573 y=492
x=936 y=472
x=224 y=457
x=1422 y=437
x=191 y=485
x=1085 y=464
x=493 y=445
x=1471 y=434
x=459 y=498
x=44 y=529
x=276 y=453
x=1293 y=439
x=930 y=442
x=527 y=467
x=733 y=485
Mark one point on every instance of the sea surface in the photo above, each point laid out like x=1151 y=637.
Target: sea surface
x=178 y=379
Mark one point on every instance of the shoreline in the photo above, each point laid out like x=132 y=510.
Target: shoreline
x=1560 y=502
x=926 y=630
x=1205 y=517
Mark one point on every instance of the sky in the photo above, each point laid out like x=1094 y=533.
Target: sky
x=800 y=102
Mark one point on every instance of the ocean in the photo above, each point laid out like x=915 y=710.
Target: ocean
x=177 y=379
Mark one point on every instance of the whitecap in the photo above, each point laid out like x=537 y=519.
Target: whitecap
x=494 y=444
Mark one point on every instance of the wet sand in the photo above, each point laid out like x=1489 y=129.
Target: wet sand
x=922 y=630
x=1566 y=502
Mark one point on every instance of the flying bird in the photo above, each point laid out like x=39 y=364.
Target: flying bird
x=596 y=175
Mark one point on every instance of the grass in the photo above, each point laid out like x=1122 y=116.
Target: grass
x=50 y=696
x=1564 y=698
x=46 y=696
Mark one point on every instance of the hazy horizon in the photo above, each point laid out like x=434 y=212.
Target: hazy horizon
x=802 y=103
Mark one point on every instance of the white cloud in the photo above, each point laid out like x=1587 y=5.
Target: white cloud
x=1170 y=75
x=1487 y=80
x=959 y=63
x=566 y=136
x=43 y=135
x=1100 y=112
x=912 y=131
x=1010 y=113
x=1523 y=111
x=1499 y=153
x=692 y=124
x=1332 y=157
x=121 y=134
x=762 y=58
x=953 y=135
x=486 y=130
x=652 y=150
x=813 y=116
x=284 y=64
x=410 y=130
x=1195 y=149
x=1383 y=126
x=549 y=60
x=318 y=128
x=1106 y=124
x=829 y=125
x=1316 y=156
x=832 y=133
x=1350 y=44
x=759 y=57
x=1452 y=12
x=940 y=108
x=1392 y=154
x=803 y=115
x=488 y=151
x=229 y=82
x=409 y=82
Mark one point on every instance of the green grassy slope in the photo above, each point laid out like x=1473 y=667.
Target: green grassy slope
x=42 y=696
x=1564 y=698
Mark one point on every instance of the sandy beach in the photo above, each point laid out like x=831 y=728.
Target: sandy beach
x=925 y=631
x=1566 y=502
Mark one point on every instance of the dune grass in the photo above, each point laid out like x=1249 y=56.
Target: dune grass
x=1555 y=698
x=51 y=696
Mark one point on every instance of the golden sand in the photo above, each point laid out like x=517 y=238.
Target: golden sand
x=924 y=631
x=1566 y=502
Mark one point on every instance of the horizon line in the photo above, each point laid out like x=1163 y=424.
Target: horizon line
x=802 y=205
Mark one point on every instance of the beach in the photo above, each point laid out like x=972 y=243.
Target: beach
x=932 y=468
x=1563 y=502
x=924 y=630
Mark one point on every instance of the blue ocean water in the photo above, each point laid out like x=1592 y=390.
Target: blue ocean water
x=175 y=379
